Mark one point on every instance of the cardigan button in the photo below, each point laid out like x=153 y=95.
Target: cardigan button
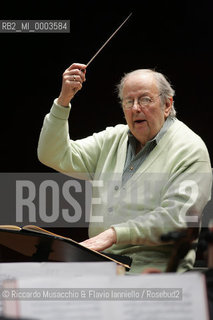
x=110 y=209
x=116 y=188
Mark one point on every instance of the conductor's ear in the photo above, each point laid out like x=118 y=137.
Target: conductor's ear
x=168 y=106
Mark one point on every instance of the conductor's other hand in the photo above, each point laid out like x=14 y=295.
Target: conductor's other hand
x=73 y=77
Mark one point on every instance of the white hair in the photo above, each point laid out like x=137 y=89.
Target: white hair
x=165 y=89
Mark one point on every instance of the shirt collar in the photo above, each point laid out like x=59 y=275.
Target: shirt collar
x=169 y=121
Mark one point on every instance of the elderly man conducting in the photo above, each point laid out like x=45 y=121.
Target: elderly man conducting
x=152 y=175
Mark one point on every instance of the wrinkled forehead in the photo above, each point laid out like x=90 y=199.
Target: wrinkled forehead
x=140 y=81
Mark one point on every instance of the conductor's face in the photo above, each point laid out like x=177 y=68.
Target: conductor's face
x=143 y=109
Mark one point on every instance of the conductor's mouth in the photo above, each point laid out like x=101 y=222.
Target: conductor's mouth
x=139 y=121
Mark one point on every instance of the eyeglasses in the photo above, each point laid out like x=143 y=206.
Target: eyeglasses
x=143 y=101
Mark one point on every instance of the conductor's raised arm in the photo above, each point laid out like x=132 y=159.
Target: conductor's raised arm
x=73 y=77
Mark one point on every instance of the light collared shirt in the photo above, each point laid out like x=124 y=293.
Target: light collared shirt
x=133 y=160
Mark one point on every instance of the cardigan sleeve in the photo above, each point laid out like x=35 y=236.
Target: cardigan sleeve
x=56 y=150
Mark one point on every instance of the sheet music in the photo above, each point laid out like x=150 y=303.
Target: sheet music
x=53 y=270
x=116 y=297
x=71 y=269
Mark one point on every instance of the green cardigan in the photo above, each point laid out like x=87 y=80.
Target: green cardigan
x=171 y=186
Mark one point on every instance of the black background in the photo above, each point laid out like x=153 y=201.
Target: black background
x=174 y=37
